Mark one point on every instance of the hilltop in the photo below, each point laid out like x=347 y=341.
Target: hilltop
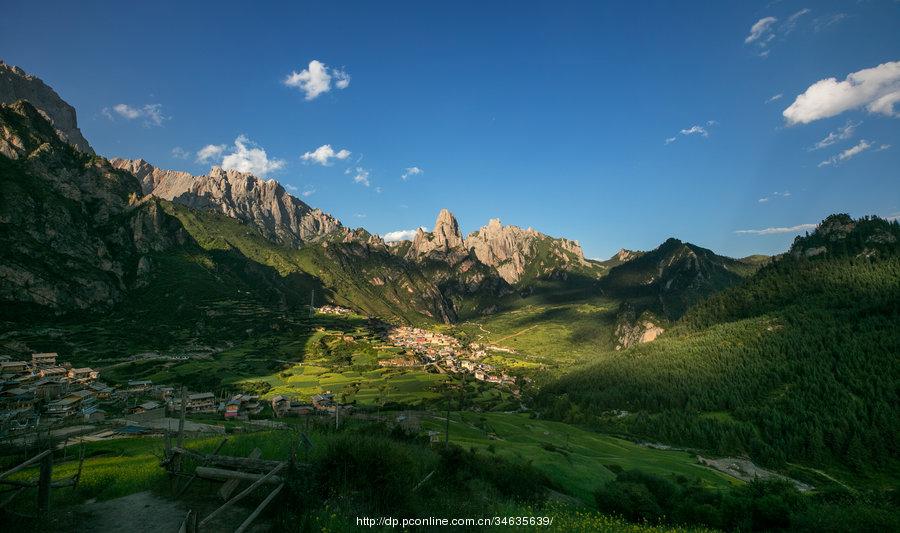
x=795 y=364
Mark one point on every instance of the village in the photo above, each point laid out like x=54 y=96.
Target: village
x=444 y=353
x=43 y=393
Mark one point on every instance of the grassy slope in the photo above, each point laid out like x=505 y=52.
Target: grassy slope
x=346 y=277
x=121 y=467
x=575 y=458
x=797 y=365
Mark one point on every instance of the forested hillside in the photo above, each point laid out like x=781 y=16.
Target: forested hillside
x=798 y=364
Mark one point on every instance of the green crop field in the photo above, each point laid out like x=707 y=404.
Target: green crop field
x=576 y=459
x=547 y=334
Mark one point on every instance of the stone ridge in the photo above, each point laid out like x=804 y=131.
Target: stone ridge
x=243 y=196
x=16 y=84
x=507 y=249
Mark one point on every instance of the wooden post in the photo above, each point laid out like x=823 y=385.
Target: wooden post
x=33 y=460
x=240 y=496
x=425 y=479
x=181 y=417
x=243 y=527
x=189 y=525
x=80 y=465
x=232 y=484
x=447 y=427
x=44 y=483
x=191 y=479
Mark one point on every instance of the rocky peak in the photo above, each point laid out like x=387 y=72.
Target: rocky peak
x=511 y=249
x=624 y=255
x=240 y=195
x=444 y=242
x=841 y=235
x=446 y=231
x=16 y=84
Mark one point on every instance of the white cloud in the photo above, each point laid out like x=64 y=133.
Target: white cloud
x=360 y=215
x=245 y=156
x=885 y=104
x=410 y=171
x=317 y=78
x=290 y=187
x=841 y=134
x=400 y=235
x=307 y=192
x=761 y=31
x=694 y=130
x=774 y=97
x=324 y=154
x=860 y=147
x=362 y=176
x=341 y=79
x=151 y=113
x=774 y=195
x=791 y=22
x=877 y=89
x=180 y=153
x=883 y=147
x=822 y=23
x=777 y=230
x=210 y=152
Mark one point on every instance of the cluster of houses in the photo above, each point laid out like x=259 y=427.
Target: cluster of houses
x=334 y=310
x=444 y=352
x=44 y=386
x=321 y=403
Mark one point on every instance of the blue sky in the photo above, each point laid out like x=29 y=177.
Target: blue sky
x=556 y=115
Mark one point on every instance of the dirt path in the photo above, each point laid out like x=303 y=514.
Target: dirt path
x=143 y=512
x=480 y=326
x=516 y=334
x=746 y=470
x=826 y=476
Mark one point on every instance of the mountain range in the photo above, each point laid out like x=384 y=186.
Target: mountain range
x=83 y=232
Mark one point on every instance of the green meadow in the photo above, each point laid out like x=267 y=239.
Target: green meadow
x=575 y=459
x=547 y=334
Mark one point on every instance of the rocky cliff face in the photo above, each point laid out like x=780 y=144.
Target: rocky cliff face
x=841 y=235
x=445 y=240
x=75 y=233
x=632 y=330
x=509 y=251
x=16 y=84
x=262 y=203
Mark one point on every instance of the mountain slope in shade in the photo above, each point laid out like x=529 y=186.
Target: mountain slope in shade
x=673 y=276
x=16 y=84
x=73 y=234
x=77 y=234
x=797 y=363
x=245 y=197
